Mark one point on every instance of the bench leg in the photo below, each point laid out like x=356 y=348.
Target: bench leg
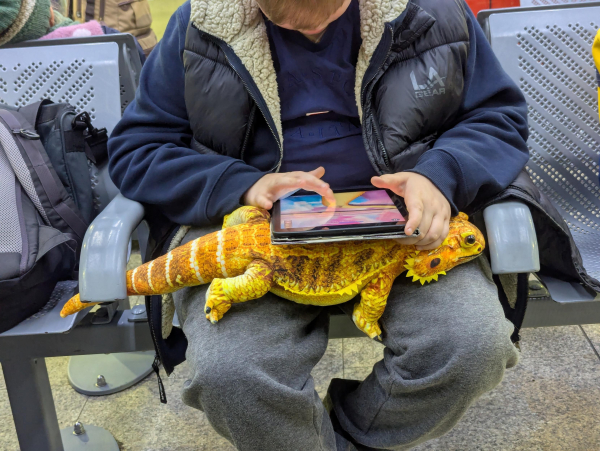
x=32 y=405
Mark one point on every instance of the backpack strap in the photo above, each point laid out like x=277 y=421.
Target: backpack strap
x=29 y=141
x=32 y=111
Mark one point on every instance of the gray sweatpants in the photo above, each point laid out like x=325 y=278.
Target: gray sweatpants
x=447 y=343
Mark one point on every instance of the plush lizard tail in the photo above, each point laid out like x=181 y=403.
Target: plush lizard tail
x=195 y=263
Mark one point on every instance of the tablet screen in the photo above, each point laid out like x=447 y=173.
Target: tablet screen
x=357 y=208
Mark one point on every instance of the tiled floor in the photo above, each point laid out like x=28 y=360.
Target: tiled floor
x=550 y=401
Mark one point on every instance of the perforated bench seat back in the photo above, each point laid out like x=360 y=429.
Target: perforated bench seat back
x=548 y=53
x=63 y=71
x=97 y=74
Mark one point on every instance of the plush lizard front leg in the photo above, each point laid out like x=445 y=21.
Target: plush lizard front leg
x=373 y=300
x=253 y=284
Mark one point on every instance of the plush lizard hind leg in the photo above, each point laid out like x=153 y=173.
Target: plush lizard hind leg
x=253 y=284
x=373 y=300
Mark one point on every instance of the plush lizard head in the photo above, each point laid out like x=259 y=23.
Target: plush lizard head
x=464 y=243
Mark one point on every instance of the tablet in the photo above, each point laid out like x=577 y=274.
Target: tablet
x=356 y=215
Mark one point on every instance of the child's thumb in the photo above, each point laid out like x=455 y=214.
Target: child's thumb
x=393 y=182
x=319 y=172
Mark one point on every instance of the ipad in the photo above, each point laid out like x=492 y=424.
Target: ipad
x=356 y=215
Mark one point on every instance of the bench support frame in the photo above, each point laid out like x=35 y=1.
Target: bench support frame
x=31 y=403
x=26 y=375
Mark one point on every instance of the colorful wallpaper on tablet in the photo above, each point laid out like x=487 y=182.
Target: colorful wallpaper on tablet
x=359 y=207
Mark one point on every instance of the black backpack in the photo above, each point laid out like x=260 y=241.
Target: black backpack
x=46 y=201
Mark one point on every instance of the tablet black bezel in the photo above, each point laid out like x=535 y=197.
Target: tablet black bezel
x=357 y=229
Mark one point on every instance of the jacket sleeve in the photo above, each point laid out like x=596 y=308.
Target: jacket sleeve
x=486 y=148
x=150 y=159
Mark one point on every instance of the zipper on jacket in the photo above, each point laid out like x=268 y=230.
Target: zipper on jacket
x=278 y=165
x=248 y=131
x=161 y=387
x=158 y=357
x=389 y=31
x=386 y=158
x=266 y=114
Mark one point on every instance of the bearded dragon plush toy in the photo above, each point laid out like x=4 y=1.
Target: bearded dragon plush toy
x=240 y=264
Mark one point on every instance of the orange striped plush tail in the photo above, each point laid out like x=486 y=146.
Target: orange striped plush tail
x=75 y=305
x=194 y=263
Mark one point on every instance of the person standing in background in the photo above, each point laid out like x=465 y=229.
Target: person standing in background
x=26 y=20
x=127 y=16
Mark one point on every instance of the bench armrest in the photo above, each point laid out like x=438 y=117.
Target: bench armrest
x=103 y=261
x=511 y=237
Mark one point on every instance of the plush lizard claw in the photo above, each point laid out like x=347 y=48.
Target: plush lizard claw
x=371 y=328
x=217 y=303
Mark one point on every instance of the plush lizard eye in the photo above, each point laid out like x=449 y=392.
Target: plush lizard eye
x=468 y=239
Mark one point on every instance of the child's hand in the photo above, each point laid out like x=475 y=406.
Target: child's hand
x=427 y=207
x=272 y=187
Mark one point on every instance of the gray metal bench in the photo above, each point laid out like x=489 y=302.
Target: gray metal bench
x=547 y=51
x=24 y=348
x=97 y=74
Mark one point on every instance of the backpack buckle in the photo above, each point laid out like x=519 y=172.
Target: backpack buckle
x=82 y=121
x=27 y=134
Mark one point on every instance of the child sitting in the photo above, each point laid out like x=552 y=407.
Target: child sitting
x=244 y=101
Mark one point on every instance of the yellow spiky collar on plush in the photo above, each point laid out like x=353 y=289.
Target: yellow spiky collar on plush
x=410 y=265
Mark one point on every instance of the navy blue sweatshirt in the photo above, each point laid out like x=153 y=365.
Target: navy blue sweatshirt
x=319 y=78
x=151 y=161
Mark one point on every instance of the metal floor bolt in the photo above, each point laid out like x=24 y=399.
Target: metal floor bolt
x=100 y=381
x=139 y=309
x=78 y=429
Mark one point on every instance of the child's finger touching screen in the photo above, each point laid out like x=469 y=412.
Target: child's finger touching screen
x=273 y=187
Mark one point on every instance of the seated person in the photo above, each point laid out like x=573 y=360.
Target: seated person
x=25 y=20
x=244 y=101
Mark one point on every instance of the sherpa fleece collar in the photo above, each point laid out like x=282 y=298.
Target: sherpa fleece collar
x=239 y=23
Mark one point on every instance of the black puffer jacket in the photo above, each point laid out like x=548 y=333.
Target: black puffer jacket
x=400 y=123
x=206 y=125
